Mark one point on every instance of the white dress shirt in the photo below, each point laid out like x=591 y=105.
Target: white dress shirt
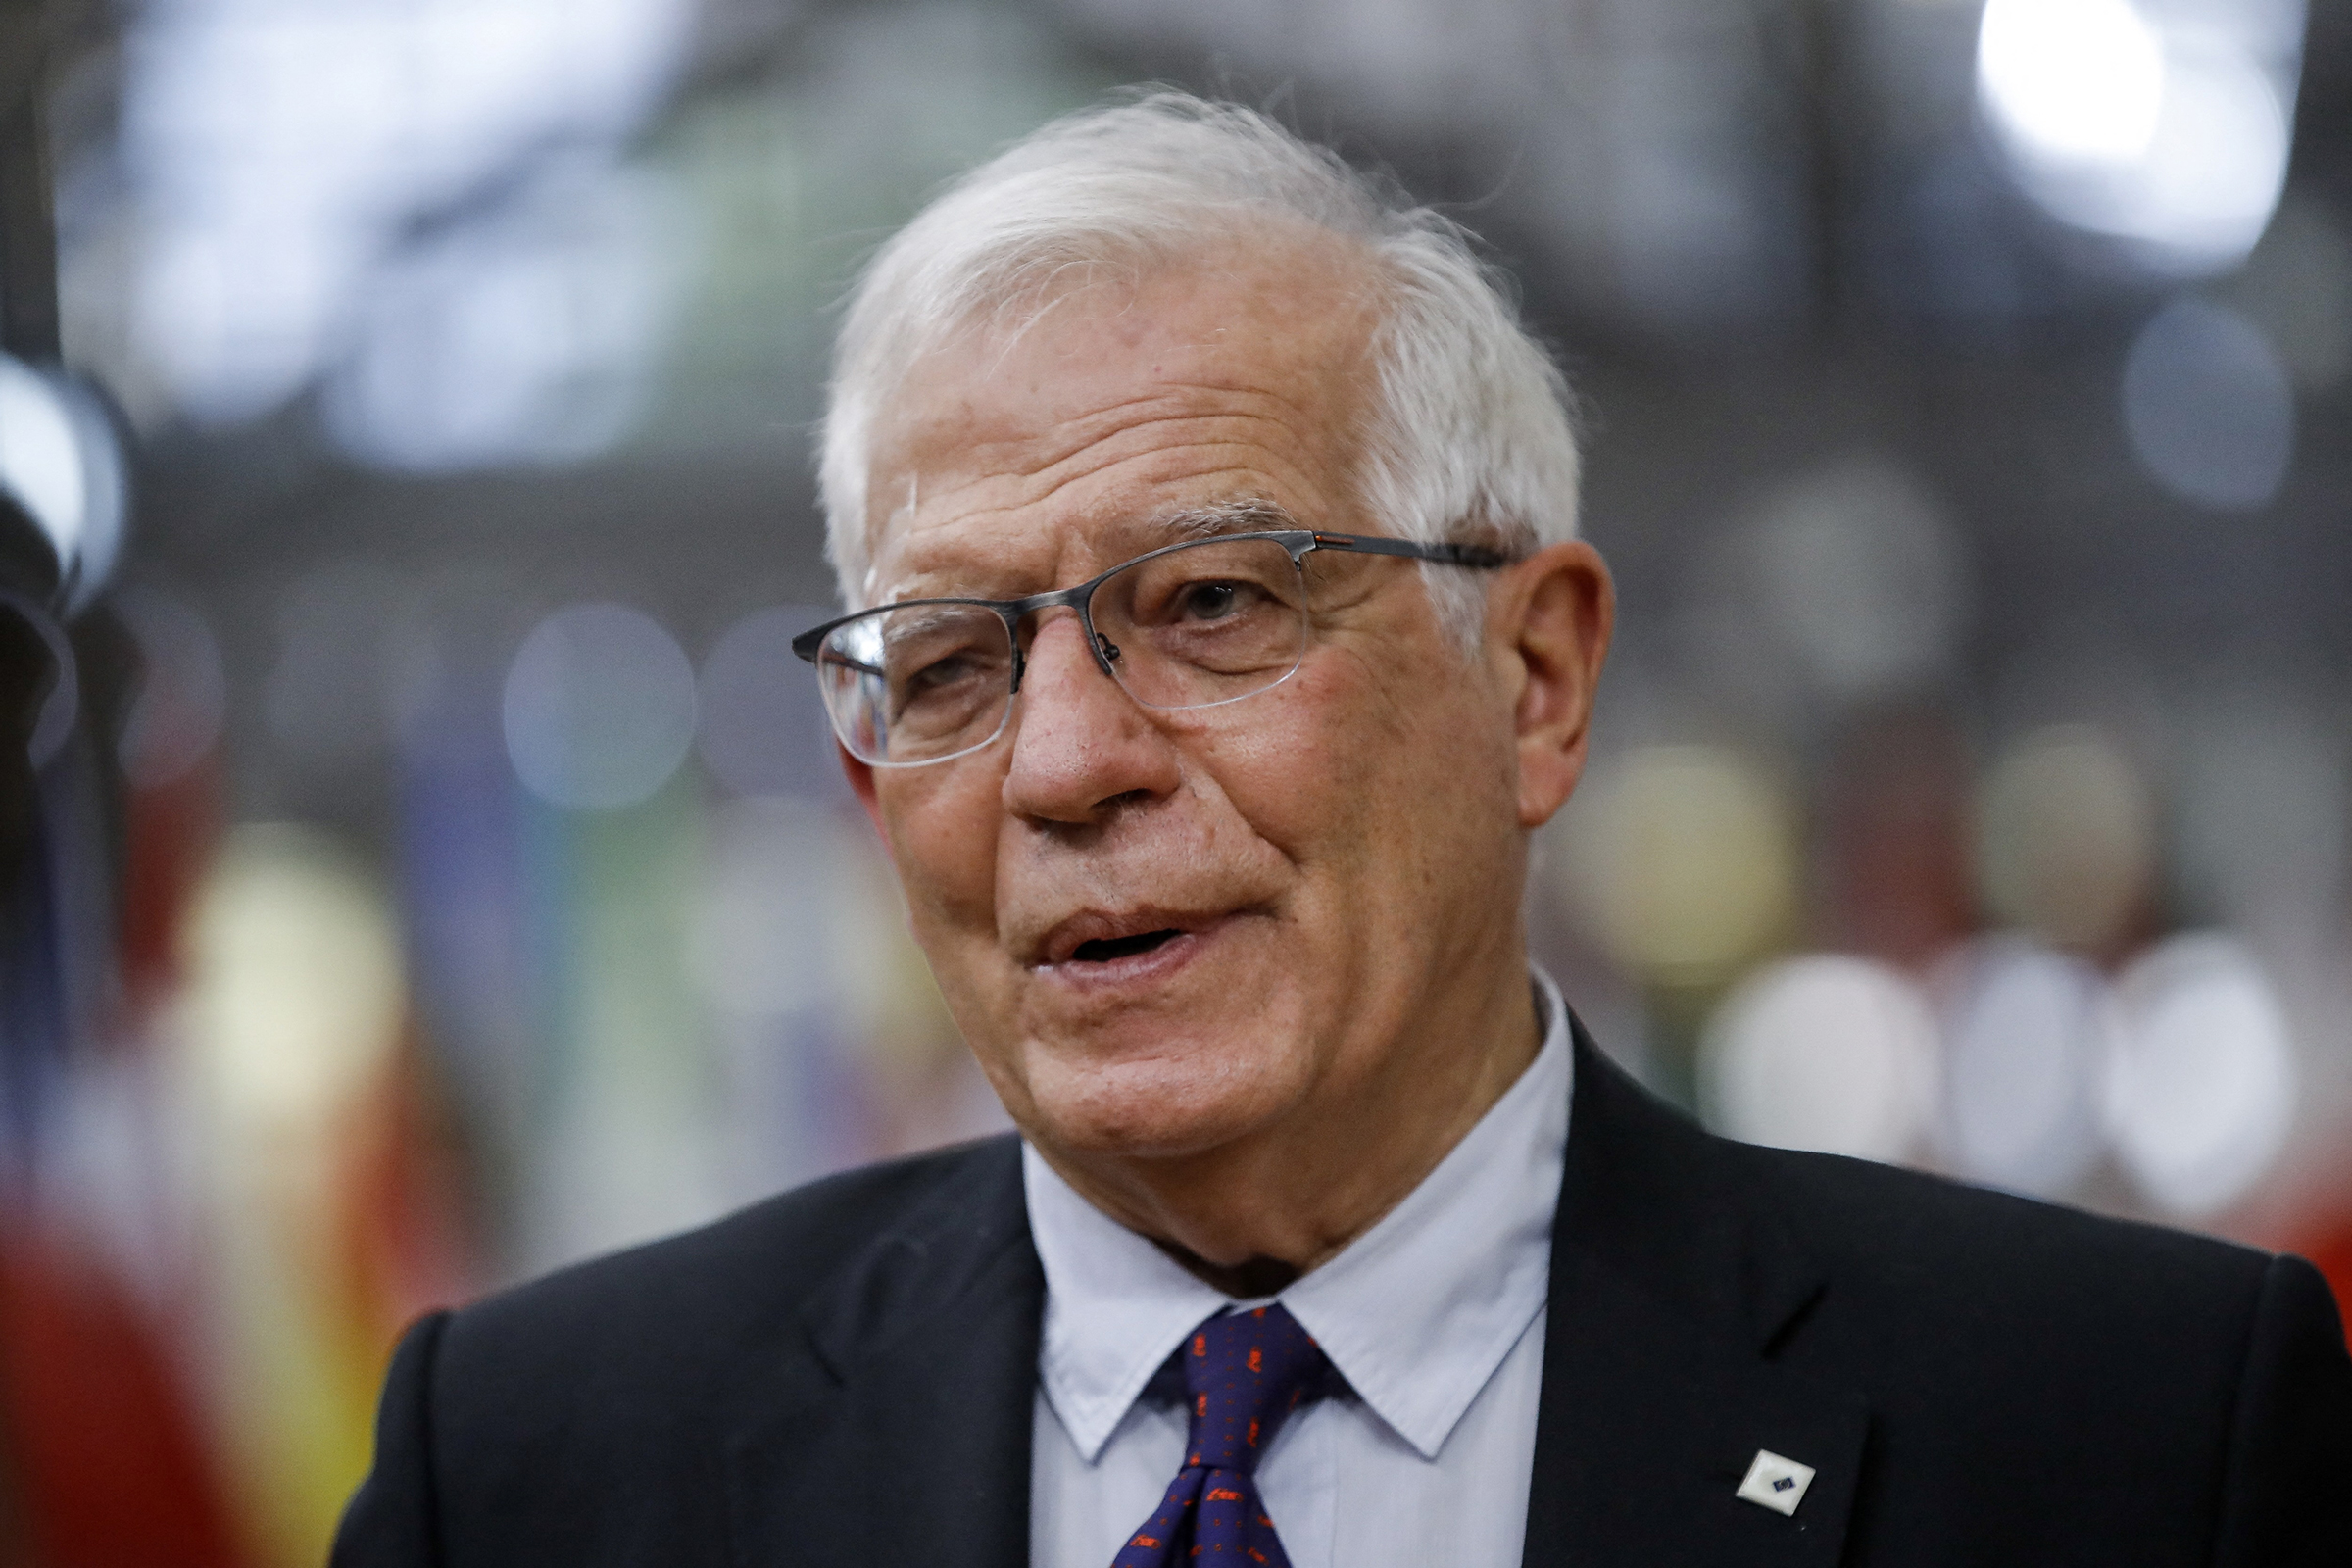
x=1434 y=1317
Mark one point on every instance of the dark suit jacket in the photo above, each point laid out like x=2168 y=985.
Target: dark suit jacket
x=844 y=1375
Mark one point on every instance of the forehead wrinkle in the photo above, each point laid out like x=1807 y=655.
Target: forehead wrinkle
x=1297 y=434
x=1104 y=426
x=1079 y=431
x=1162 y=464
x=1146 y=441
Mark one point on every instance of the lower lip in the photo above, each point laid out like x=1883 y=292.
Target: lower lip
x=1134 y=969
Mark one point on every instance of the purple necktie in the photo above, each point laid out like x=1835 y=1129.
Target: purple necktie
x=1243 y=1373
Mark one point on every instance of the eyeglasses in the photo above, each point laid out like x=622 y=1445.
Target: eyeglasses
x=1191 y=625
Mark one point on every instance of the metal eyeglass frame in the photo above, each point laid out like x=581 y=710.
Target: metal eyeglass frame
x=1298 y=542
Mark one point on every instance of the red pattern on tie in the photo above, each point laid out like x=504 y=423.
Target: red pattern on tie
x=1246 y=1372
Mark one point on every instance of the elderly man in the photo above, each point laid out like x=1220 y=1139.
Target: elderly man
x=1219 y=635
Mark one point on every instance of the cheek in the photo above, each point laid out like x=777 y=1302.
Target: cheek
x=1286 y=772
x=1398 y=779
x=942 y=829
x=1316 y=774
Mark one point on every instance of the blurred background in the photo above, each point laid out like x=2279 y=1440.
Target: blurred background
x=433 y=868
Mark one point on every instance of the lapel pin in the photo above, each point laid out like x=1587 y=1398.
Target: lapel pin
x=1776 y=1483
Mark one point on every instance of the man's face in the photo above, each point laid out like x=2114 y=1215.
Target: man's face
x=1329 y=856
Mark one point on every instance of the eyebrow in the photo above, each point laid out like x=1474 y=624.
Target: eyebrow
x=1243 y=514
x=1249 y=514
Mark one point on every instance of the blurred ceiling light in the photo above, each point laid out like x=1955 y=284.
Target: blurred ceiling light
x=2208 y=408
x=2164 y=125
x=2025 y=1032
x=1684 y=862
x=599 y=708
x=235 y=320
x=2200 y=1086
x=295 y=990
x=525 y=335
x=1824 y=1053
x=764 y=728
x=2079 y=81
x=61 y=464
x=278 y=147
x=2066 y=833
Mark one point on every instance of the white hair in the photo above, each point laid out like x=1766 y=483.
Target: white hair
x=1470 y=437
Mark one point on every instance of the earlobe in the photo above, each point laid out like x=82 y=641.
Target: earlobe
x=1562 y=610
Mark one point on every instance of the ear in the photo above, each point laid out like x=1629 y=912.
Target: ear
x=861 y=784
x=1549 y=624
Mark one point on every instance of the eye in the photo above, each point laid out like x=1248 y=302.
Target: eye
x=1210 y=601
x=941 y=673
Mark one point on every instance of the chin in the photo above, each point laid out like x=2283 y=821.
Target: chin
x=1164 y=1105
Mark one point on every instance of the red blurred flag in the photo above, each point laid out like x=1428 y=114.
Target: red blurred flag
x=111 y=1465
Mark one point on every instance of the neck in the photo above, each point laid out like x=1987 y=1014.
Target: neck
x=1252 y=1215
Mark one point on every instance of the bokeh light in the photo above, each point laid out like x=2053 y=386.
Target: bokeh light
x=1825 y=1052
x=295 y=995
x=1684 y=860
x=2200 y=1089
x=2164 y=125
x=2025 y=1034
x=286 y=146
x=2208 y=407
x=600 y=706
x=2075 y=80
x=764 y=725
x=2066 y=836
x=526 y=337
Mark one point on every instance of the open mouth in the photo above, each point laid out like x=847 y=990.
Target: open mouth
x=1104 y=949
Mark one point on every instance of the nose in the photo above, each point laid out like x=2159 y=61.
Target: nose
x=1080 y=744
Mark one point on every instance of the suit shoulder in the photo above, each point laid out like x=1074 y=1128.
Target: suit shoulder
x=738 y=1278
x=1941 y=1285
x=1917 y=1245
x=1907 y=1223
x=581 y=1417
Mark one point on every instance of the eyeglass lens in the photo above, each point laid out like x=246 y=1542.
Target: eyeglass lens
x=1208 y=623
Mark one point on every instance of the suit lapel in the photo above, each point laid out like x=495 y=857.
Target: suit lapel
x=893 y=1423
x=1667 y=1296
x=900 y=1433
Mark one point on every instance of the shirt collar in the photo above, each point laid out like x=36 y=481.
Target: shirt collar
x=1417 y=1313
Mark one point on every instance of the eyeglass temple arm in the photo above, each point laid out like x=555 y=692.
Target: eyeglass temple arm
x=1452 y=555
x=817 y=653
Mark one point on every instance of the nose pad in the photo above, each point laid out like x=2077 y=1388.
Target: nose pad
x=1110 y=650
